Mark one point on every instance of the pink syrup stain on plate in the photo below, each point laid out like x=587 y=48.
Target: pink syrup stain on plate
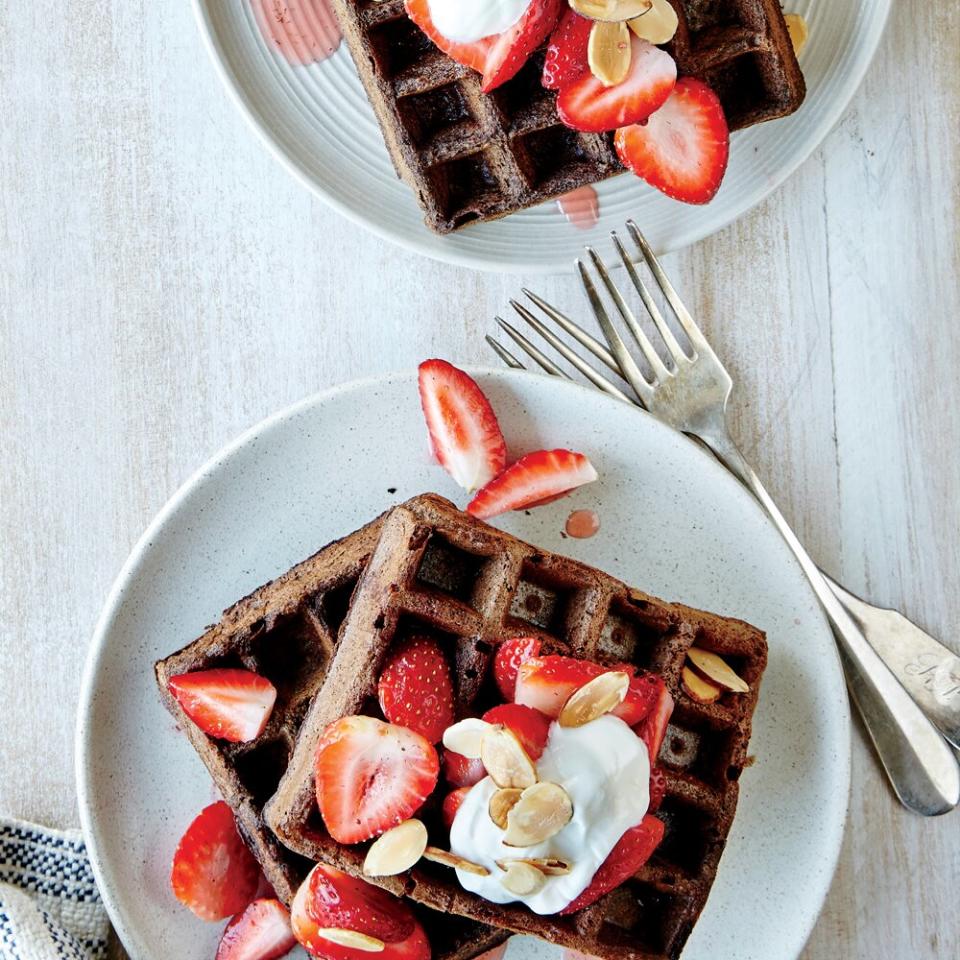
x=582 y=524
x=302 y=31
x=581 y=207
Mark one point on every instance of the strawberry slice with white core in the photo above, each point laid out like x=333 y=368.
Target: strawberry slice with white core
x=682 y=149
x=464 y=432
x=370 y=776
x=232 y=705
x=532 y=479
x=586 y=104
x=261 y=932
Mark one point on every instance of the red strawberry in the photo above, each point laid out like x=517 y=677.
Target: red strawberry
x=463 y=428
x=261 y=932
x=473 y=55
x=451 y=804
x=461 y=771
x=654 y=726
x=531 y=479
x=658 y=788
x=331 y=899
x=586 y=104
x=682 y=149
x=566 y=57
x=233 y=705
x=370 y=776
x=529 y=726
x=510 y=654
x=214 y=874
x=632 y=851
x=415 y=688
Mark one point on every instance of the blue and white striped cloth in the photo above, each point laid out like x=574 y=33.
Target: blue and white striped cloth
x=49 y=905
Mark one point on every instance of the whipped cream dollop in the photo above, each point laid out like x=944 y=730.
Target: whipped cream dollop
x=464 y=21
x=605 y=769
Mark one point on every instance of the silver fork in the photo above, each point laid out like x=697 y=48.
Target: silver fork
x=691 y=395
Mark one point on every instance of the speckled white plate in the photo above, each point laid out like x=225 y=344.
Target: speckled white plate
x=317 y=121
x=673 y=522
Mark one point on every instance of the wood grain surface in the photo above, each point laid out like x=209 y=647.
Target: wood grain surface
x=164 y=285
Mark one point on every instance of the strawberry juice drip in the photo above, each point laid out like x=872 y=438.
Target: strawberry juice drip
x=581 y=207
x=302 y=31
x=582 y=524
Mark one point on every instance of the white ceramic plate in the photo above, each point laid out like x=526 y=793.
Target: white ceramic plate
x=317 y=121
x=673 y=522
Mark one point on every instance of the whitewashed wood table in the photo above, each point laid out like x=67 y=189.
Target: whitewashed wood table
x=164 y=285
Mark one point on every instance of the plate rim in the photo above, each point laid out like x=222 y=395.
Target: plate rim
x=83 y=730
x=822 y=125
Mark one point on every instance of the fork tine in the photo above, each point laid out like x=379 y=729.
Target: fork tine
x=504 y=354
x=535 y=354
x=597 y=379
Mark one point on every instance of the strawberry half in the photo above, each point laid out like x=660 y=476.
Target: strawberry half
x=566 y=57
x=632 y=851
x=214 y=874
x=229 y=704
x=586 y=104
x=529 y=726
x=463 y=428
x=461 y=771
x=451 y=804
x=510 y=654
x=654 y=726
x=370 y=776
x=415 y=688
x=261 y=932
x=682 y=150
x=532 y=479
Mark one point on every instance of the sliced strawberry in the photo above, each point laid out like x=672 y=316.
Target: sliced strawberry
x=566 y=57
x=531 y=479
x=451 y=804
x=512 y=49
x=473 y=55
x=586 y=104
x=214 y=874
x=461 y=771
x=331 y=899
x=682 y=149
x=529 y=726
x=632 y=851
x=415 y=688
x=230 y=704
x=463 y=428
x=370 y=776
x=261 y=932
x=510 y=654
x=654 y=726
x=658 y=788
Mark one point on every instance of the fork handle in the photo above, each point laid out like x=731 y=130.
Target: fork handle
x=921 y=766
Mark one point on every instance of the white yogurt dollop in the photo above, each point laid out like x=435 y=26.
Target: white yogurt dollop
x=605 y=769
x=464 y=21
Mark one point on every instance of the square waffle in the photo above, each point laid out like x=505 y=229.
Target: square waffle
x=287 y=631
x=471 y=157
x=440 y=572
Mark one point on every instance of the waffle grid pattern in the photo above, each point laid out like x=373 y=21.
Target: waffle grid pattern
x=439 y=572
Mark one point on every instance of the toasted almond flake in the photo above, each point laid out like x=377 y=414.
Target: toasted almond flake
x=716 y=670
x=542 y=811
x=608 y=52
x=448 y=859
x=611 y=11
x=506 y=761
x=548 y=866
x=595 y=698
x=501 y=803
x=351 y=938
x=698 y=689
x=658 y=24
x=522 y=879
x=797 y=28
x=466 y=736
x=396 y=850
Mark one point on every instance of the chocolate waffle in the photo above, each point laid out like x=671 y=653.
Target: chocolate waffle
x=439 y=572
x=471 y=157
x=287 y=631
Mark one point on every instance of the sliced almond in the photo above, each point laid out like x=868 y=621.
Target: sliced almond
x=797 y=28
x=506 y=761
x=448 y=859
x=466 y=736
x=396 y=850
x=608 y=52
x=522 y=879
x=698 y=689
x=542 y=811
x=351 y=938
x=611 y=11
x=501 y=803
x=601 y=695
x=548 y=866
x=658 y=24
x=716 y=670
